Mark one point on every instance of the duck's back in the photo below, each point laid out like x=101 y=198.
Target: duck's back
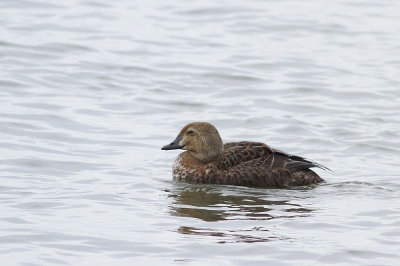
x=248 y=164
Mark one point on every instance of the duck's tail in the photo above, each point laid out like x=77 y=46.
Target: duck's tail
x=299 y=163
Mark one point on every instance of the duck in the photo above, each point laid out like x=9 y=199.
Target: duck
x=206 y=159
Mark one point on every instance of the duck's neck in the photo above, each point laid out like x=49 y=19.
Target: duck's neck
x=207 y=155
x=209 y=150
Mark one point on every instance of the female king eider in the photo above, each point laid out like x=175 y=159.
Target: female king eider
x=208 y=160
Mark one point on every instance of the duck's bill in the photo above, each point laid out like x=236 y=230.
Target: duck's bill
x=173 y=145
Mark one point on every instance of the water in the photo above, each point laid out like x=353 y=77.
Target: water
x=90 y=91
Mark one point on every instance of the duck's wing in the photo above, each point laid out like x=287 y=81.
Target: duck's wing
x=254 y=163
x=236 y=153
x=247 y=144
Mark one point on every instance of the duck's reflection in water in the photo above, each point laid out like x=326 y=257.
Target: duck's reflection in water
x=212 y=203
x=230 y=236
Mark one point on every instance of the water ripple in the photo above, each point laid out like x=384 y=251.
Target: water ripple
x=90 y=91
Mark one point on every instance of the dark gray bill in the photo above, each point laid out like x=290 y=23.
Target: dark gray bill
x=173 y=145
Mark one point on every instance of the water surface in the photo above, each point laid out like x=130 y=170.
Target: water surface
x=90 y=91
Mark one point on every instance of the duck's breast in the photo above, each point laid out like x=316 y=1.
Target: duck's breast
x=187 y=167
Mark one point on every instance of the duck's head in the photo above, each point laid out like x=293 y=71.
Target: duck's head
x=201 y=139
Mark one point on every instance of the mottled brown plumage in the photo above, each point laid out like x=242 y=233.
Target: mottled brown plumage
x=208 y=160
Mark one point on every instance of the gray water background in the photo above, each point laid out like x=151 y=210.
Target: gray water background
x=90 y=91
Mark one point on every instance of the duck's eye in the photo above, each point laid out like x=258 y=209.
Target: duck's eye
x=190 y=132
